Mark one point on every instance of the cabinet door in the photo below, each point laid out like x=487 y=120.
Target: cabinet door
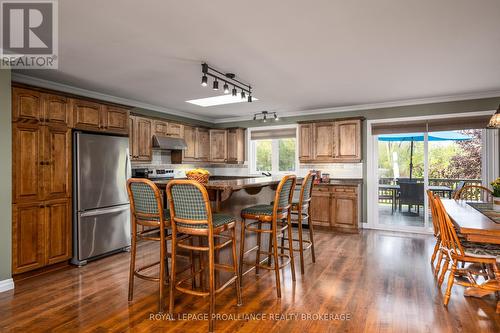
x=160 y=127
x=202 y=144
x=56 y=110
x=321 y=207
x=144 y=139
x=305 y=142
x=345 y=211
x=132 y=144
x=115 y=119
x=86 y=115
x=57 y=166
x=323 y=142
x=57 y=216
x=27 y=162
x=348 y=140
x=28 y=242
x=235 y=145
x=26 y=105
x=189 y=154
x=175 y=130
x=218 y=145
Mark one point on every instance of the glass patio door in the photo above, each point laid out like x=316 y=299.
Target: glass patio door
x=402 y=181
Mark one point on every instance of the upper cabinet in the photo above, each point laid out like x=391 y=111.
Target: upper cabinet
x=330 y=141
x=202 y=144
x=93 y=116
x=163 y=128
x=218 y=145
x=56 y=110
x=235 y=145
x=35 y=107
x=140 y=138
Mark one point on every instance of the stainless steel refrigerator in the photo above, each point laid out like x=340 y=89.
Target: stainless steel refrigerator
x=101 y=221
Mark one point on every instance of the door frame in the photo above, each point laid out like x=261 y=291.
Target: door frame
x=372 y=169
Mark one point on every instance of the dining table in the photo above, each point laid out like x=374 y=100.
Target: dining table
x=476 y=225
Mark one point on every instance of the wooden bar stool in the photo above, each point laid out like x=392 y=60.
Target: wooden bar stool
x=191 y=214
x=301 y=211
x=273 y=216
x=146 y=207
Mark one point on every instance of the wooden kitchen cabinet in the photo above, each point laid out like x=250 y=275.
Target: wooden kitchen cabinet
x=28 y=161
x=202 y=144
x=86 y=115
x=115 y=119
x=348 y=140
x=28 y=243
x=41 y=234
x=305 y=142
x=56 y=168
x=160 y=127
x=324 y=141
x=175 y=130
x=57 y=231
x=336 y=207
x=235 y=145
x=56 y=110
x=189 y=154
x=26 y=105
x=140 y=138
x=218 y=145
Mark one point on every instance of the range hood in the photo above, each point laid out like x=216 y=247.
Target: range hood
x=168 y=143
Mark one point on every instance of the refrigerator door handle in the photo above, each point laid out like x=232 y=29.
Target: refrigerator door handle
x=102 y=211
x=128 y=170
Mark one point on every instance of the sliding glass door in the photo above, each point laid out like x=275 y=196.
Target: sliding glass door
x=409 y=164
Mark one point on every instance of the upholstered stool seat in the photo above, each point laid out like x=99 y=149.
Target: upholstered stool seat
x=218 y=220
x=257 y=210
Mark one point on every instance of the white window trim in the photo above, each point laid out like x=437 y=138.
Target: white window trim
x=251 y=151
x=372 y=173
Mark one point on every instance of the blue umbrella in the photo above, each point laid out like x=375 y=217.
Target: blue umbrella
x=434 y=136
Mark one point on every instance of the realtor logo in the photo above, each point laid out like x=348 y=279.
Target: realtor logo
x=29 y=34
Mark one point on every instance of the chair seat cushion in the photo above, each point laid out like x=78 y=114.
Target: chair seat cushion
x=482 y=249
x=218 y=220
x=266 y=210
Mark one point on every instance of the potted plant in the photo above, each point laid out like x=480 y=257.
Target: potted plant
x=496 y=194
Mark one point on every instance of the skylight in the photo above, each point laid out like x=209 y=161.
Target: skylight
x=218 y=100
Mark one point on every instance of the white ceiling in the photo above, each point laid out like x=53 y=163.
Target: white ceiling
x=298 y=55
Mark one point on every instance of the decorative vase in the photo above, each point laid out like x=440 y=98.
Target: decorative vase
x=496 y=204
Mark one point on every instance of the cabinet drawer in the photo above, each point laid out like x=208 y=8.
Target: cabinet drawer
x=338 y=189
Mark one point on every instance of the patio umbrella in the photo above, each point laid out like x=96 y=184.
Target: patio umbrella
x=434 y=136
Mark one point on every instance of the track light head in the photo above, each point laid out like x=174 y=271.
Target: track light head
x=234 y=92
x=243 y=95
x=254 y=117
x=250 y=98
x=215 y=85
x=276 y=116
x=226 y=88
x=204 y=81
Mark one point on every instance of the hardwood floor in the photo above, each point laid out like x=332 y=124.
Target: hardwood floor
x=381 y=280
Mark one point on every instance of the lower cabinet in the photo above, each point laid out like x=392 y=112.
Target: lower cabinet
x=41 y=234
x=336 y=207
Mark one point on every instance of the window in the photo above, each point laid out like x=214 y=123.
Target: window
x=273 y=150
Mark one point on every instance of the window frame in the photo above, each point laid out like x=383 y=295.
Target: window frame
x=252 y=152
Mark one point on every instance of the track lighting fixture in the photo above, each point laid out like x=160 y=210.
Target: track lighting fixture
x=264 y=115
x=227 y=78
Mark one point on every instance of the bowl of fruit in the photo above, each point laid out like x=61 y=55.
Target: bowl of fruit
x=200 y=175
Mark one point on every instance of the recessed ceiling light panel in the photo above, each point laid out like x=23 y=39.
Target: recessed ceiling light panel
x=218 y=100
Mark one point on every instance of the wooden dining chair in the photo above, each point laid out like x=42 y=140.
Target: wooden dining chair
x=455 y=251
x=437 y=233
x=272 y=220
x=474 y=193
x=148 y=215
x=191 y=214
x=457 y=190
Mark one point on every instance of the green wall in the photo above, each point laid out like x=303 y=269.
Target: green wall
x=6 y=172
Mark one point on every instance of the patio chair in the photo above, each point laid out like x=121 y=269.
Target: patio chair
x=474 y=193
x=411 y=194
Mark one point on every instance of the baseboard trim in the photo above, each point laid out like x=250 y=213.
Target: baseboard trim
x=6 y=285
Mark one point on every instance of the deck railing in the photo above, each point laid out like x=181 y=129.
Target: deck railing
x=385 y=196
